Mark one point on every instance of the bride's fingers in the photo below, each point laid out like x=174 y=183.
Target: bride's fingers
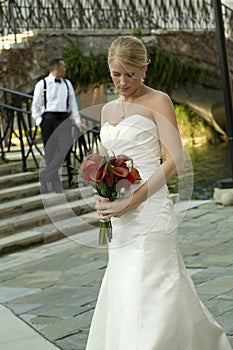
x=109 y=208
x=102 y=217
x=109 y=213
x=113 y=209
x=103 y=205
x=104 y=208
x=101 y=199
x=100 y=206
x=104 y=211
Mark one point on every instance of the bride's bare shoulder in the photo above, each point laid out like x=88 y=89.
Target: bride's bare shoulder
x=108 y=109
x=157 y=100
x=157 y=95
x=110 y=105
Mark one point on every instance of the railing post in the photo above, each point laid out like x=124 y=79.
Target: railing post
x=1 y=141
x=17 y=103
x=19 y=116
x=226 y=85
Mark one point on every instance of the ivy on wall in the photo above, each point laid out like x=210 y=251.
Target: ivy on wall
x=193 y=127
x=164 y=72
x=85 y=72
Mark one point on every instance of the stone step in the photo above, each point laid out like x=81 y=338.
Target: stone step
x=21 y=185
x=16 y=179
x=28 y=204
x=54 y=213
x=27 y=217
x=20 y=205
x=48 y=233
x=20 y=191
x=11 y=168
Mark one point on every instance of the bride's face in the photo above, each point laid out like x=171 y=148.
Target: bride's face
x=127 y=79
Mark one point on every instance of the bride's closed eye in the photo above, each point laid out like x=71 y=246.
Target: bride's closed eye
x=128 y=75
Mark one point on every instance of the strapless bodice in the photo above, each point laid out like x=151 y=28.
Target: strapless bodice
x=137 y=137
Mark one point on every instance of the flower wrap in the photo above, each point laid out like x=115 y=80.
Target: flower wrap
x=105 y=233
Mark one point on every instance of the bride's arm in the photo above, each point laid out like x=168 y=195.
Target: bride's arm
x=171 y=143
x=169 y=136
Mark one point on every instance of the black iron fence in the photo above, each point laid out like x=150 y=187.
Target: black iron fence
x=17 y=16
x=16 y=124
x=18 y=133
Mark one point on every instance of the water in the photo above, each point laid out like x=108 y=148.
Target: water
x=210 y=163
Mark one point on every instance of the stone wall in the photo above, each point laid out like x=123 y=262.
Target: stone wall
x=25 y=63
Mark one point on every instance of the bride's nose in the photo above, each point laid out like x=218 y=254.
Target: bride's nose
x=122 y=81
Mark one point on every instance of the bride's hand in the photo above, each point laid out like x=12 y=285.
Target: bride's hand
x=107 y=209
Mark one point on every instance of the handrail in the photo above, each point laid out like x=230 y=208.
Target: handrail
x=14 y=108
x=16 y=120
x=16 y=92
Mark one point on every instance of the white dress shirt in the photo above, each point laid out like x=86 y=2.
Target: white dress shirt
x=56 y=97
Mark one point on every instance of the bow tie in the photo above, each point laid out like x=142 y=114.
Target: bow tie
x=58 y=80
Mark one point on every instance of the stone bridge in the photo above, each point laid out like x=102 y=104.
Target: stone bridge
x=26 y=62
x=185 y=28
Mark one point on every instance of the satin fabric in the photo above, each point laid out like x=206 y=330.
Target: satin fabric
x=147 y=301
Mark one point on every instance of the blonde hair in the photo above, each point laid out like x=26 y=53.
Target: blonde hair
x=128 y=50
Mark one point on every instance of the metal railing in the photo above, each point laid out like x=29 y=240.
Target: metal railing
x=18 y=16
x=17 y=125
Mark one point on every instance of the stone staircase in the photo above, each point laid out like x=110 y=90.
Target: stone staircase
x=28 y=218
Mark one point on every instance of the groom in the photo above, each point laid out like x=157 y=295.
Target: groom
x=54 y=108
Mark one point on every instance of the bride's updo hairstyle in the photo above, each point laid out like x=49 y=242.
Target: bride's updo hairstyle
x=128 y=50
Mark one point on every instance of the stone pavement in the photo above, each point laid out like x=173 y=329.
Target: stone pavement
x=52 y=289
x=15 y=334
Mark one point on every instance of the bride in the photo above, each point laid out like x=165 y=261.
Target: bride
x=147 y=300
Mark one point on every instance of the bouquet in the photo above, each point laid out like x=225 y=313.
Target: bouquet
x=111 y=177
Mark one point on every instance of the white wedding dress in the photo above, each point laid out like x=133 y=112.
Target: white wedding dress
x=147 y=300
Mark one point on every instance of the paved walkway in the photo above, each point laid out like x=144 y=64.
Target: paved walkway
x=48 y=293
x=15 y=334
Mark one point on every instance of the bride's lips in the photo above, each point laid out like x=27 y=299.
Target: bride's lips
x=123 y=89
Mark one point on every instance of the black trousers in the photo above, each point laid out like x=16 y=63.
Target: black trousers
x=56 y=129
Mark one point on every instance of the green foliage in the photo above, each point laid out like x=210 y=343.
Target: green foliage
x=137 y=32
x=3 y=161
x=192 y=126
x=167 y=70
x=86 y=72
x=164 y=72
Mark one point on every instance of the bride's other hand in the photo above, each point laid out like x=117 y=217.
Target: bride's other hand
x=107 y=209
